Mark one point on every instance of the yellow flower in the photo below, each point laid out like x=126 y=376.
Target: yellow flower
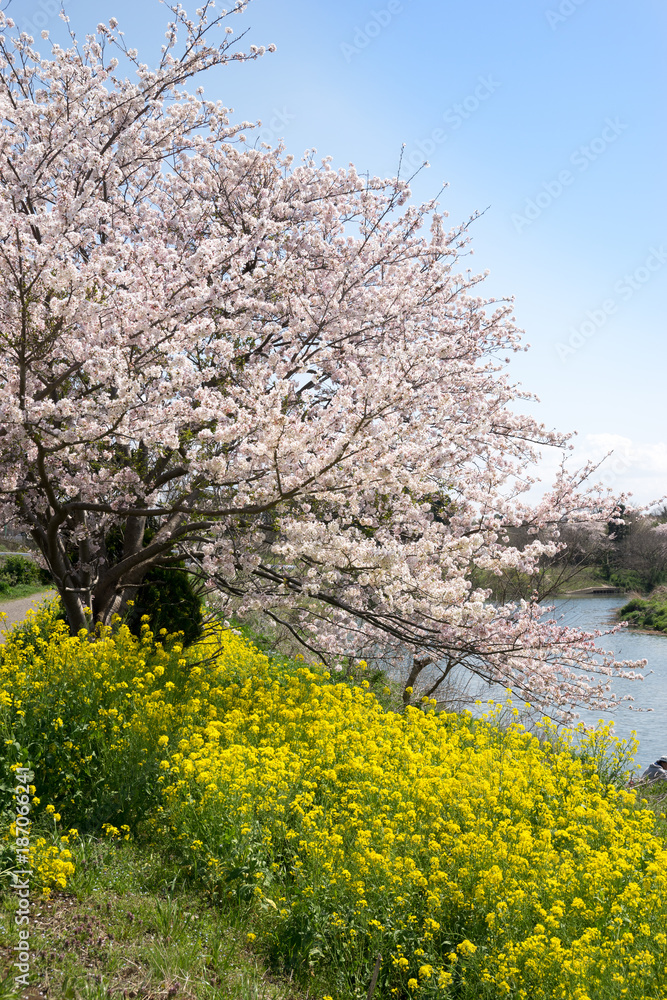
x=466 y=947
x=405 y=819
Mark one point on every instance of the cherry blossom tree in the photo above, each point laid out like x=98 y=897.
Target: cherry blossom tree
x=283 y=373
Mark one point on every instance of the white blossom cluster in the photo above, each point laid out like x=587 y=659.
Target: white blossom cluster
x=283 y=369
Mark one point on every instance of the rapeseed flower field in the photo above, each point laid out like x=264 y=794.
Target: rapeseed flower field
x=472 y=858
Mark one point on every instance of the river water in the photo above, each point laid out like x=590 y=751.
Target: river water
x=647 y=715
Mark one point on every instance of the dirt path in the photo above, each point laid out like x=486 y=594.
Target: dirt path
x=17 y=609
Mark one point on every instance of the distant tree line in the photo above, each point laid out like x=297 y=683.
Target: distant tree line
x=629 y=552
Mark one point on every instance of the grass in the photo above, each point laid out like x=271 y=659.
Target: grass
x=549 y=582
x=587 y=576
x=647 y=613
x=23 y=590
x=127 y=926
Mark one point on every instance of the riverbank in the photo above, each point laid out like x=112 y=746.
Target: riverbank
x=599 y=591
x=355 y=846
x=647 y=613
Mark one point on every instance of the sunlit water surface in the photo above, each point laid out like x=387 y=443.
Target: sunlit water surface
x=647 y=715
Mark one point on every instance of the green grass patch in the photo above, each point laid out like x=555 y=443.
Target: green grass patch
x=646 y=612
x=22 y=590
x=127 y=926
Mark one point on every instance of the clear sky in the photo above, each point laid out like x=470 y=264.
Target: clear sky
x=549 y=114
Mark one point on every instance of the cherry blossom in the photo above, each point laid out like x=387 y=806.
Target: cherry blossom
x=285 y=370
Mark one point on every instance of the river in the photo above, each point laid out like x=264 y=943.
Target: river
x=648 y=714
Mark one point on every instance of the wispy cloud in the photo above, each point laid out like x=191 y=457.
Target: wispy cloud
x=636 y=467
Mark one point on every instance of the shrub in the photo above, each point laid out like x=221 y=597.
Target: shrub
x=168 y=599
x=88 y=716
x=636 y=604
x=167 y=595
x=646 y=613
x=627 y=579
x=475 y=858
x=17 y=570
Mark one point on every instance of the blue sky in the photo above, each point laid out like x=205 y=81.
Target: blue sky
x=549 y=114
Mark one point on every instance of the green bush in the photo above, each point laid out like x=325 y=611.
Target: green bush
x=636 y=604
x=16 y=570
x=168 y=597
x=628 y=579
x=167 y=594
x=21 y=570
x=645 y=613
